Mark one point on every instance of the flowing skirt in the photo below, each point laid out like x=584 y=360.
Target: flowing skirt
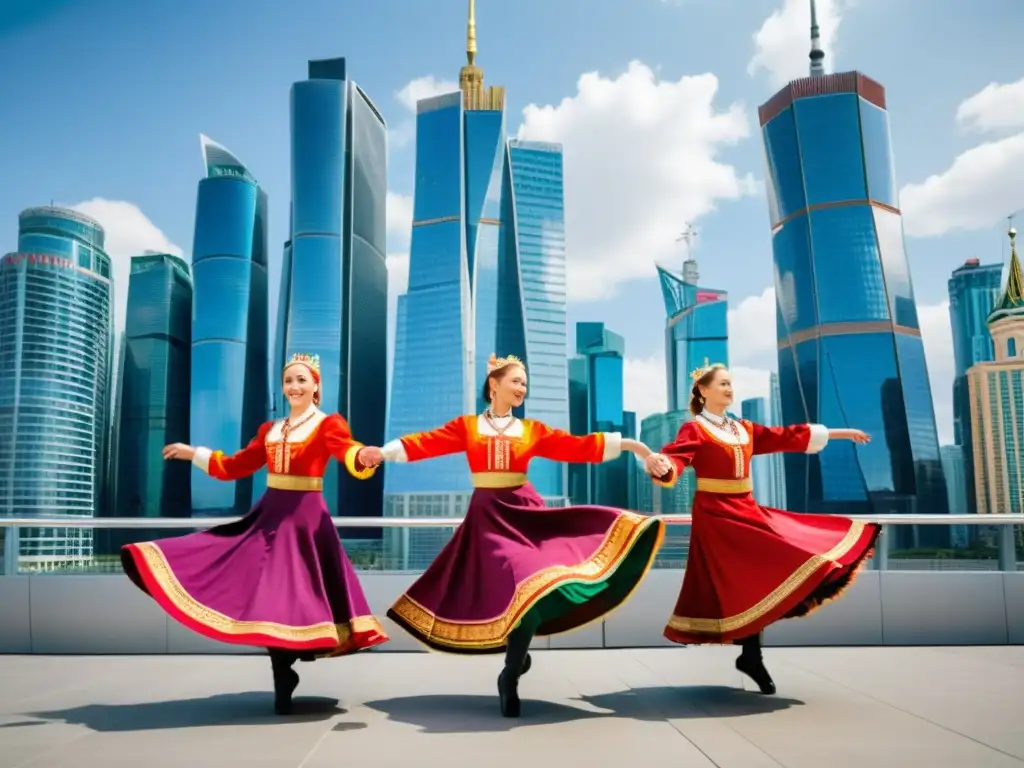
x=750 y=566
x=277 y=578
x=514 y=561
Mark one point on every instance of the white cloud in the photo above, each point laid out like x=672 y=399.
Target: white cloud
x=752 y=355
x=423 y=88
x=977 y=191
x=128 y=233
x=640 y=160
x=995 y=107
x=783 y=42
x=399 y=218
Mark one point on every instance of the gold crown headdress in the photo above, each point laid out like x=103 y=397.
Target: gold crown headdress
x=310 y=361
x=495 y=363
x=698 y=373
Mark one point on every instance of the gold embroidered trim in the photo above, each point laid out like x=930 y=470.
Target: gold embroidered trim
x=350 y=463
x=492 y=633
x=775 y=597
x=341 y=634
x=713 y=485
x=498 y=479
x=294 y=482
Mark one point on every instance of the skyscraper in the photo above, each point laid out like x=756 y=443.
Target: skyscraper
x=776 y=467
x=229 y=385
x=849 y=342
x=997 y=402
x=448 y=319
x=56 y=327
x=334 y=285
x=973 y=292
x=533 y=288
x=696 y=329
x=153 y=392
x=596 y=386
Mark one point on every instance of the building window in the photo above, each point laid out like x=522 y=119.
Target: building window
x=1011 y=347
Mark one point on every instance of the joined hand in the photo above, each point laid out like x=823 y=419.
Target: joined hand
x=657 y=465
x=370 y=456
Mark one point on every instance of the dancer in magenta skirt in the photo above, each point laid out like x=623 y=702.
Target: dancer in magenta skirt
x=515 y=568
x=279 y=577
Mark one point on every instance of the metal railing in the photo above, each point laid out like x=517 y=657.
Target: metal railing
x=1006 y=545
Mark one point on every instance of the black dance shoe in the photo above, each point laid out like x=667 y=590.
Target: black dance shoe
x=285 y=683
x=508 y=693
x=753 y=667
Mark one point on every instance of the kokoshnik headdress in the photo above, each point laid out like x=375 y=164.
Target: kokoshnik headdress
x=496 y=363
x=699 y=373
x=312 y=362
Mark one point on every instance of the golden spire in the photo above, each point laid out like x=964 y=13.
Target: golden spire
x=471 y=77
x=471 y=34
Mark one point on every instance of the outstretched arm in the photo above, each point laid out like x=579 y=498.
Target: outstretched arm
x=679 y=452
x=800 y=438
x=243 y=463
x=338 y=439
x=451 y=438
x=558 y=445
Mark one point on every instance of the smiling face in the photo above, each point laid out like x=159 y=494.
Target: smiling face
x=717 y=391
x=508 y=387
x=300 y=387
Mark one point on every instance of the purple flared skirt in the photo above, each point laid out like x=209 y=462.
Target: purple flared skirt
x=277 y=578
x=516 y=561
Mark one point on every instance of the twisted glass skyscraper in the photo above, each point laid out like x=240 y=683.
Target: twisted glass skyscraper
x=56 y=325
x=849 y=342
x=229 y=384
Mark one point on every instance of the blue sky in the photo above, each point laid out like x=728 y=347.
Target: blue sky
x=654 y=100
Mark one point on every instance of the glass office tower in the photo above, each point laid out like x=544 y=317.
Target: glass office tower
x=229 y=384
x=56 y=334
x=334 y=288
x=154 y=389
x=849 y=342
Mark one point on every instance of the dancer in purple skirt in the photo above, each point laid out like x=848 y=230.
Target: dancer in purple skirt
x=279 y=577
x=516 y=568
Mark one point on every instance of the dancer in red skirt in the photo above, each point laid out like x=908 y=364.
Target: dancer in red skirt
x=749 y=565
x=279 y=577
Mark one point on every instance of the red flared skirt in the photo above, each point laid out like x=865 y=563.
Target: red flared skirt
x=750 y=566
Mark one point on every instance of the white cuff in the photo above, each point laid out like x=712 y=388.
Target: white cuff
x=612 y=445
x=202 y=459
x=394 y=451
x=819 y=438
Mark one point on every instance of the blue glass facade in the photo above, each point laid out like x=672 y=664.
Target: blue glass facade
x=696 y=329
x=464 y=300
x=850 y=350
x=230 y=324
x=596 y=386
x=56 y=328
x=776 y=462
x=153 y=392
x=537 y=229
x=334 y=296
x=974 y=290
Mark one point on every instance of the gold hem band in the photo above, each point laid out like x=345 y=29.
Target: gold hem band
x=493 y=633
x=194 y=611
x=712 y=485
x=775 y=597
x=498 y=479
x=294 y=482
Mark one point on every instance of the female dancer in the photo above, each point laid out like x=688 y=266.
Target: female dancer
x=516 y=568
x=750 y=566
x=279 y=577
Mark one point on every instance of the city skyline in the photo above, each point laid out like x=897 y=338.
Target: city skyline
x=734 y=226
